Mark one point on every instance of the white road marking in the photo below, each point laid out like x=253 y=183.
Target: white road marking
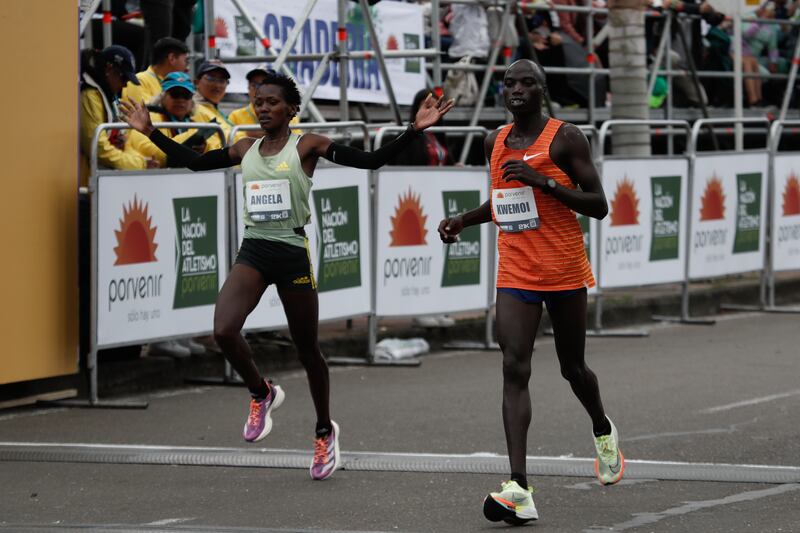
x=168 y=521
x=589 y=485
x=643 y=519
x=747 y=403
x=730 y=429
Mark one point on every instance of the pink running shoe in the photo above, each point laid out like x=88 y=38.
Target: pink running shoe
x=259 y=421
x=326 y=454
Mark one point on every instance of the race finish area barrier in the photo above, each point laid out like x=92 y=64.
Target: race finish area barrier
x=159 y=253
x=782 y=252
x=727 y=199
x=639 y=242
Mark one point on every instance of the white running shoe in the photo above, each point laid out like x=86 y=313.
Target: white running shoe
x=169 y=348
x=512 y=504
x=610 y=463
x=195 y=348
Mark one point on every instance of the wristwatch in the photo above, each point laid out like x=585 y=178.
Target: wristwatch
x=550 y=185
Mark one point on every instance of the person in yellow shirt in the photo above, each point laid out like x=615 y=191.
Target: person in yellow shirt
x=212 y=82
x=174 y=104
x=169 y=55
x=246 y=115
x=103 y=75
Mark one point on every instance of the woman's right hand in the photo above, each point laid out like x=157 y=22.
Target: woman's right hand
x=137 y=116
x=449 y=229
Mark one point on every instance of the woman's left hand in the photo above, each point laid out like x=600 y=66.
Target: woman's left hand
x=515 y=169
x=431 y=111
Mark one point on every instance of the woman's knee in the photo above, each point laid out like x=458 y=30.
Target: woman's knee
x=574 y=372
x=225 y=329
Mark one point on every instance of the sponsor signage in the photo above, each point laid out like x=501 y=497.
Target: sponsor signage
x=786 y=213
x=161 y=255
x=728 y=203
x=399 y=26
x=418 y=274
x=644 y=232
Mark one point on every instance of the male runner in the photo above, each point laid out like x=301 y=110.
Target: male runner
x=542 y=172
x=279 y=166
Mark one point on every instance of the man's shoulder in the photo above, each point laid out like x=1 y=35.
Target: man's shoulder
x=240 y=116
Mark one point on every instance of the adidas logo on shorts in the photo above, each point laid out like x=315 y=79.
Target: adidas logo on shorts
x=302 y=280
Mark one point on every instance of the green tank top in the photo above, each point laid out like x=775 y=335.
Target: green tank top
x=275 y=194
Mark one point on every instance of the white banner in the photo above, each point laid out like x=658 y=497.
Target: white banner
x=786 y=213
x=398 y=24
x=644 y=234
x=729 y=203
x=339 y=243
x=416 y=273
x=161 y=256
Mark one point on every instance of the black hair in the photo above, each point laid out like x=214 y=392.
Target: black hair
x=420 y=97
x=290 y=91
x=166 y=46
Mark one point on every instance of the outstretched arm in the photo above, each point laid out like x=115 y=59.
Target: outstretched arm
x=430 y=112
x=138 y=117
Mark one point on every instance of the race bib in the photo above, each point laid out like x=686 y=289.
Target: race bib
x=515 y=209
x=268 y=200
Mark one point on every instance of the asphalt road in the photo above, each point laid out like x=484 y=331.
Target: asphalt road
x=726 y=395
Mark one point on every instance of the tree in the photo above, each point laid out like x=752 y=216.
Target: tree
x=627 y=57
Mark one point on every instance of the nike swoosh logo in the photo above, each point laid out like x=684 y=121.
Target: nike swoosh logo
x=615 y=469
x=526 y=156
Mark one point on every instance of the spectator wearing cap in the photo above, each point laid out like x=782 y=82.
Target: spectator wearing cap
x=169 y=55
x=103 y=75
x=212 y=82
x=247 y=115
x=174 y=104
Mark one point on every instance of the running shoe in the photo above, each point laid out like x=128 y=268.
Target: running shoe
x=259 y=421
x=326 y=454
x=512 y=504
x=610 y=464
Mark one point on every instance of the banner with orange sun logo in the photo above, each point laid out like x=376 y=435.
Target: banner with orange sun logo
x=161 y=255
x=399 y=26
x=339 y=247
x=643 y=236
x=786 y=213
x=729 y=194
x=416 y=273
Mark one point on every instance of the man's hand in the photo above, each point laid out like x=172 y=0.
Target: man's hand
x=137 y=116
x=514 y=169
x=449 y=229
x=431 y=111
x=152 y=163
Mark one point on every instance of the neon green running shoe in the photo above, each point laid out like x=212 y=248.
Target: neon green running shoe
x=610 y=463
x=512 y=504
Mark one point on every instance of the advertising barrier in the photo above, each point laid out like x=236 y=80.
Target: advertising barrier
x=786 y=212
x=339 y=245
x=161 y=255
x=729 y=199
x=415 y=273
x=643 y=234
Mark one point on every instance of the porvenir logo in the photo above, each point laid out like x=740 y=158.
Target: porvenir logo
x=391 y=43
x=625 y=205
x=712 y=204
x=791 y=196
x=136 y=235
x=408 y=222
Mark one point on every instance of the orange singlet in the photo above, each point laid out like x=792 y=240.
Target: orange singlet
x=551 y=257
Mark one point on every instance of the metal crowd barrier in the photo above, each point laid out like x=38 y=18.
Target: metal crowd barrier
x=230 y=214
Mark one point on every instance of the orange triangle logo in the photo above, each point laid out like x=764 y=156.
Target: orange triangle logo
x=408 y=222
x=712 y=204
x=136 y=235
x=625 y=205
x=791 y=196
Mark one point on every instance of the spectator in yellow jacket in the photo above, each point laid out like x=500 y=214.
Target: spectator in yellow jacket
x=247 y=115
x=169 y=55
x=103 y=75
x=212 y=82
x=174 y=104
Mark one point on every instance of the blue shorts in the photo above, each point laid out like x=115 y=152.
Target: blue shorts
x=536 y=297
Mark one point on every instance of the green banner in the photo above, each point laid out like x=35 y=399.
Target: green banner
x=245 y=37
x=339 y=244
x=586 y=229
x=196 y=261
x=748 y=212
x=462 y=260
x=666 y=191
